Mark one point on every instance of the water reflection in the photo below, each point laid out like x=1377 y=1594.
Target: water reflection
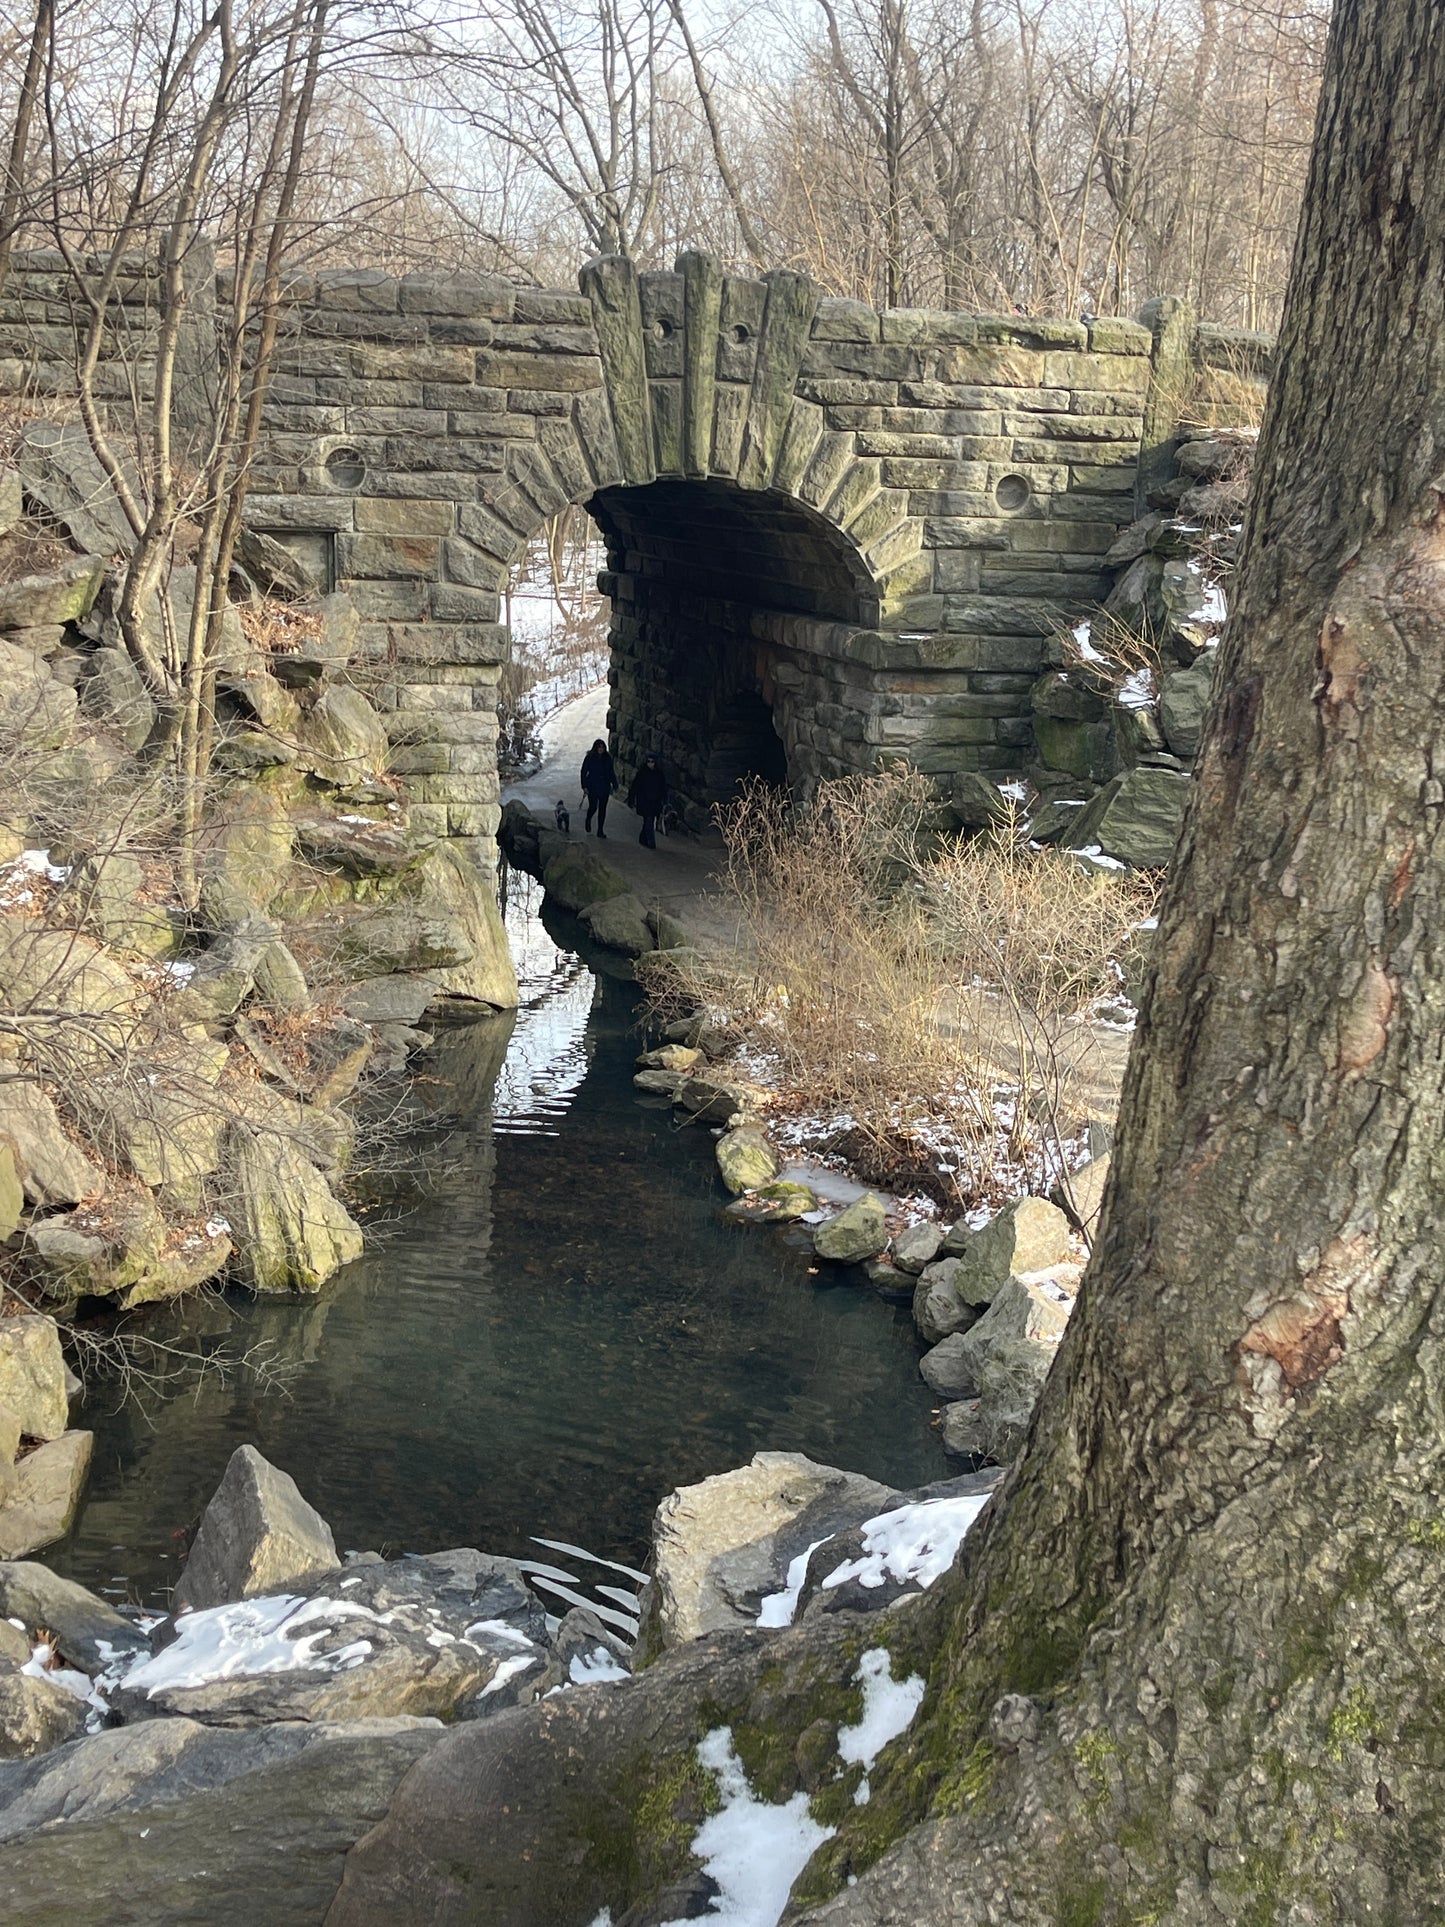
x=561 y=1330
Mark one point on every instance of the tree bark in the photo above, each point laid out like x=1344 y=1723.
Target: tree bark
x=1219 y=1568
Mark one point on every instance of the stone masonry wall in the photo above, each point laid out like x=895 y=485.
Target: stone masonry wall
x=871 y=521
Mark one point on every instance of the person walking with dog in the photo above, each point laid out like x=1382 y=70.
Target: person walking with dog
x=599 y=780
x=648 y=796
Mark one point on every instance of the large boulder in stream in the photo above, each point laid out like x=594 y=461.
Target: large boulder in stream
x=85 y=1631
x=720 y=1547
x=256 y=1535
x=426 y=1636
x=576 y=876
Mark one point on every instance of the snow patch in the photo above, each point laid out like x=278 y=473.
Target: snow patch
x=508 y=1669
x=888 y=1709
x=252 y=1637
x=915 y=1543
x=752 y=1850
x=777 y=1608
x=586 y=1669
x=1137 y=690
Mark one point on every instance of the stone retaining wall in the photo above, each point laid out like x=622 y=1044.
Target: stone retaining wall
x=870 y=523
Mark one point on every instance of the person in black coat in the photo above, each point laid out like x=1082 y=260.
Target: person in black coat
x=648 y=796
x=599 y=780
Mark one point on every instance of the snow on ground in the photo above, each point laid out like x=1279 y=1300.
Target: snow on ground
x=915 y=1542
x=888 y=1709
x=251 y=1637
x=752 y=1850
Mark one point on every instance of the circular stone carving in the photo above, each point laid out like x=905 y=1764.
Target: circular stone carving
x=345 y=468
x=1011 y=492
x=741 y=333
x=664 y=328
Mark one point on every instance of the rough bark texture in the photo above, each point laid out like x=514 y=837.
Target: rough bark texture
x=1220 y=1566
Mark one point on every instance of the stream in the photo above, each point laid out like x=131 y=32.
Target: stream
x=553 y=1326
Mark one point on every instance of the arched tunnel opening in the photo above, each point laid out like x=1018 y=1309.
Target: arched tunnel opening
x=718 y=597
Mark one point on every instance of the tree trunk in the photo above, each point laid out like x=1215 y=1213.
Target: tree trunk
x=1218 y=1570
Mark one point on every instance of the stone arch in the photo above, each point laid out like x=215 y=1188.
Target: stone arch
x=950 y=483
x=746 y=537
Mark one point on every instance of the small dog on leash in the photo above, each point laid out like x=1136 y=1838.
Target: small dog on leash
x=564 y=820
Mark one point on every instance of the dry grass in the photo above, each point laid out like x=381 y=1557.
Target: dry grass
x=915 y=1002
x=279 y=628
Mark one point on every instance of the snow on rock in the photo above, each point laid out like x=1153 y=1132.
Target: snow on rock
x=586 y=1669
x=249 y=1637
x=509 y=1669
x=752 y=1850
x=888 y=1709
x=1137 y=690
x=777 y=1608
x=916 y=1543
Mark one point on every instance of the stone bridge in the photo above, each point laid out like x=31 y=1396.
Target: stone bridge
x=833 y=536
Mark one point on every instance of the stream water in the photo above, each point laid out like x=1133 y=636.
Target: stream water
x=554 y=1326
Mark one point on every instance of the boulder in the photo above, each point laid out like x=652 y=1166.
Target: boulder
x=995 y=1424
x=12 y=1189
x=1183 y=699
x=418 y=1635
x=85 y=1631
x=246 y=842
x=290 y=1230
x=107 y=892
x=1021 y=1310
x=660 y=1083
x=1135 y=818
x=33 y=1377
x=171 y=1820
x=1028 y=1235
x=336 y=1055
x=576 y=876
x=745 y=1159
x=918 y=1246
x=36 y=711
x=782 y=1202
x=35 y=1713
x=279 y=981
x=846 y=1574
x=619 y=923
x=892 y=1284
x=454 y=883
x=711 y=1101
x=342 y=737
x=361 y=846
x=859 y=1231
x=12 y=499
x=65 y=971
x=44 y=1497
x=399 y=998
x=275 y=569
x=123 y=1248
x=669 y=933
x=225 y=973
x=113 y=692
x=938 y=1307
x=716 y=1551
x=670 y=1057
x=53 y=1168
x=66 y=595
x=256 y=1535
x=60 y=472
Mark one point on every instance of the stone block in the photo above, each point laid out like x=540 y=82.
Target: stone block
x=457 y=293
x=409 y=557
x=375 y=516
